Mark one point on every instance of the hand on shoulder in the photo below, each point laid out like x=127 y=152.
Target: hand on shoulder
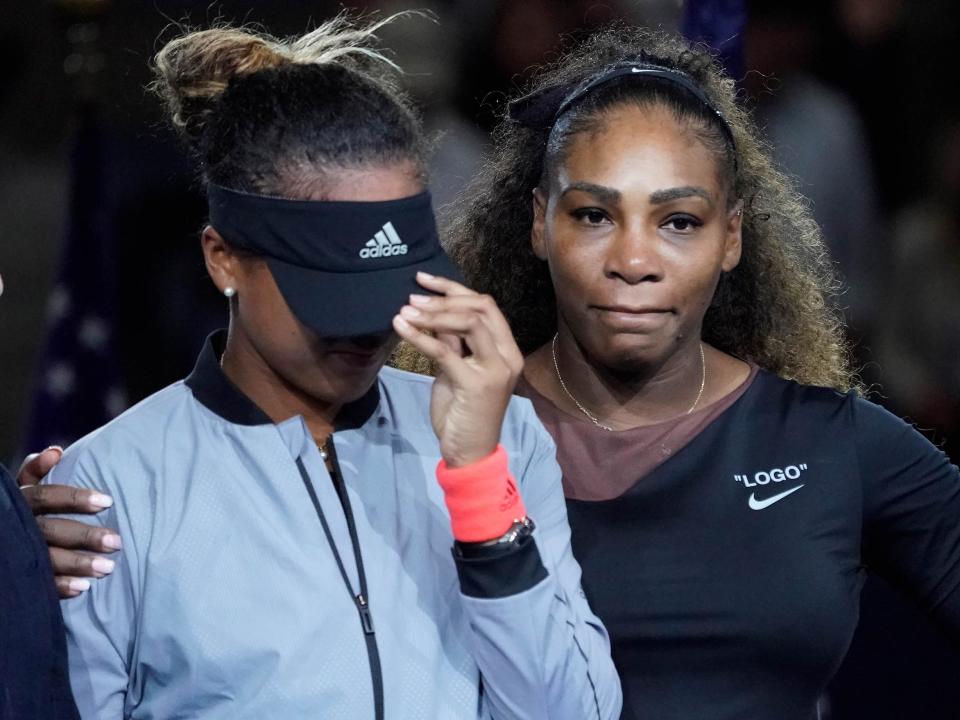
x=70 y=541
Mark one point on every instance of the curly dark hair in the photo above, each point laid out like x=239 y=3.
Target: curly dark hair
x=775 y=308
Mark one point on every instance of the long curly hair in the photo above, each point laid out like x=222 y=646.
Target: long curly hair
x=775 y=308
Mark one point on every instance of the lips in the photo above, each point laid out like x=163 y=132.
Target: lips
x=632 y=310
x=632 y=317
x=361 y=350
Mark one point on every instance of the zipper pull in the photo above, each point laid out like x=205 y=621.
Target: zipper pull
x=365 y=617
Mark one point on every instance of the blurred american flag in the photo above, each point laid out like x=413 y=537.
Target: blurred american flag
x=77 y=386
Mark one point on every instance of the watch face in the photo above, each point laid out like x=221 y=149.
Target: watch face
x=518 y=533
x=520 y=529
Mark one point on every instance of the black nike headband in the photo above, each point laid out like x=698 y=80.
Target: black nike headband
x=542 y=109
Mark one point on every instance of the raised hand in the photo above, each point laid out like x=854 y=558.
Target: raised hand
x=479 y=363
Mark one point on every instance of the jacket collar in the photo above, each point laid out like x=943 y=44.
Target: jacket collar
x=214 y=390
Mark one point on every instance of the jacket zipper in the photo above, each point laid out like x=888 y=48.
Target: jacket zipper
x=361 y=599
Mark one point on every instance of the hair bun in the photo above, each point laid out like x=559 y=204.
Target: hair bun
x=192 y=71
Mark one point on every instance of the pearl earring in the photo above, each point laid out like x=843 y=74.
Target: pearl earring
x=229 y=292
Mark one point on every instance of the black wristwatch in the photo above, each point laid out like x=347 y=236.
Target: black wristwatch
x=517 y=534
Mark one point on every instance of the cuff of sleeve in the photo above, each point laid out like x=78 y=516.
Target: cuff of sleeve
x=494 y=571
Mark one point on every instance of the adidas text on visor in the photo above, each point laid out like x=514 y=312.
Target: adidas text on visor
x=344 y=268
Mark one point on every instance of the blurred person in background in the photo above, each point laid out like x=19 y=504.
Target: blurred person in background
x=817 y=137
x=512 y=38
x=889 y=57
x=428 y=52
x=920 y=342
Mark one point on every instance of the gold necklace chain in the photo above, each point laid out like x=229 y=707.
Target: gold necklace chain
x=593 y=419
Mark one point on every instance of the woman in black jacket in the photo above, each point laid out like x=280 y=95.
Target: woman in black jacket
x=33 y=654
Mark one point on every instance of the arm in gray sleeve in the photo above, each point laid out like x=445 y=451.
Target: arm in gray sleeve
x=541 y=650
x=100 y=622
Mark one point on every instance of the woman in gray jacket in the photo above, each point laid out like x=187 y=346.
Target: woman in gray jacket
x=288 y=510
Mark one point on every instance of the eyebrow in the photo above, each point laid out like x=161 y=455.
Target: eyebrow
x=612 y=197
x=676 y=193
x=606 y=194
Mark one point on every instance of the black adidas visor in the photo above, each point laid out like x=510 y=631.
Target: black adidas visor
x=344 y=268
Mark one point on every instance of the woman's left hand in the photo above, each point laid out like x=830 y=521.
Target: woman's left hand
x=479 y=365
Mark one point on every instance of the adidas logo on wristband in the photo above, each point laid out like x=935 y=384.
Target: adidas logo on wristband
x=385 y=243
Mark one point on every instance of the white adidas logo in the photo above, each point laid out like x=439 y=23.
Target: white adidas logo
x=384 y=244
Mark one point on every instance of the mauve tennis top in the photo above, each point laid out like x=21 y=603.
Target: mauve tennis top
x=728 y=569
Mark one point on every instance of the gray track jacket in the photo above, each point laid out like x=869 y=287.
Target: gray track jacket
x=252 y=585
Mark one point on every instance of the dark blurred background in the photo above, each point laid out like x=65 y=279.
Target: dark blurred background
x=107 y=300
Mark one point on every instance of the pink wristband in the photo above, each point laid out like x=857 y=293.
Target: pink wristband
x=482 y=498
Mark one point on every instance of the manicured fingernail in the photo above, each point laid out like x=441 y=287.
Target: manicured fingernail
x=424 y=275
x=79 y=585
x=102 y=565
x=100 y=500
x=400 y=323
x=410 y=312
x=55 y=447
x=419 y=299
x=112 y=542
